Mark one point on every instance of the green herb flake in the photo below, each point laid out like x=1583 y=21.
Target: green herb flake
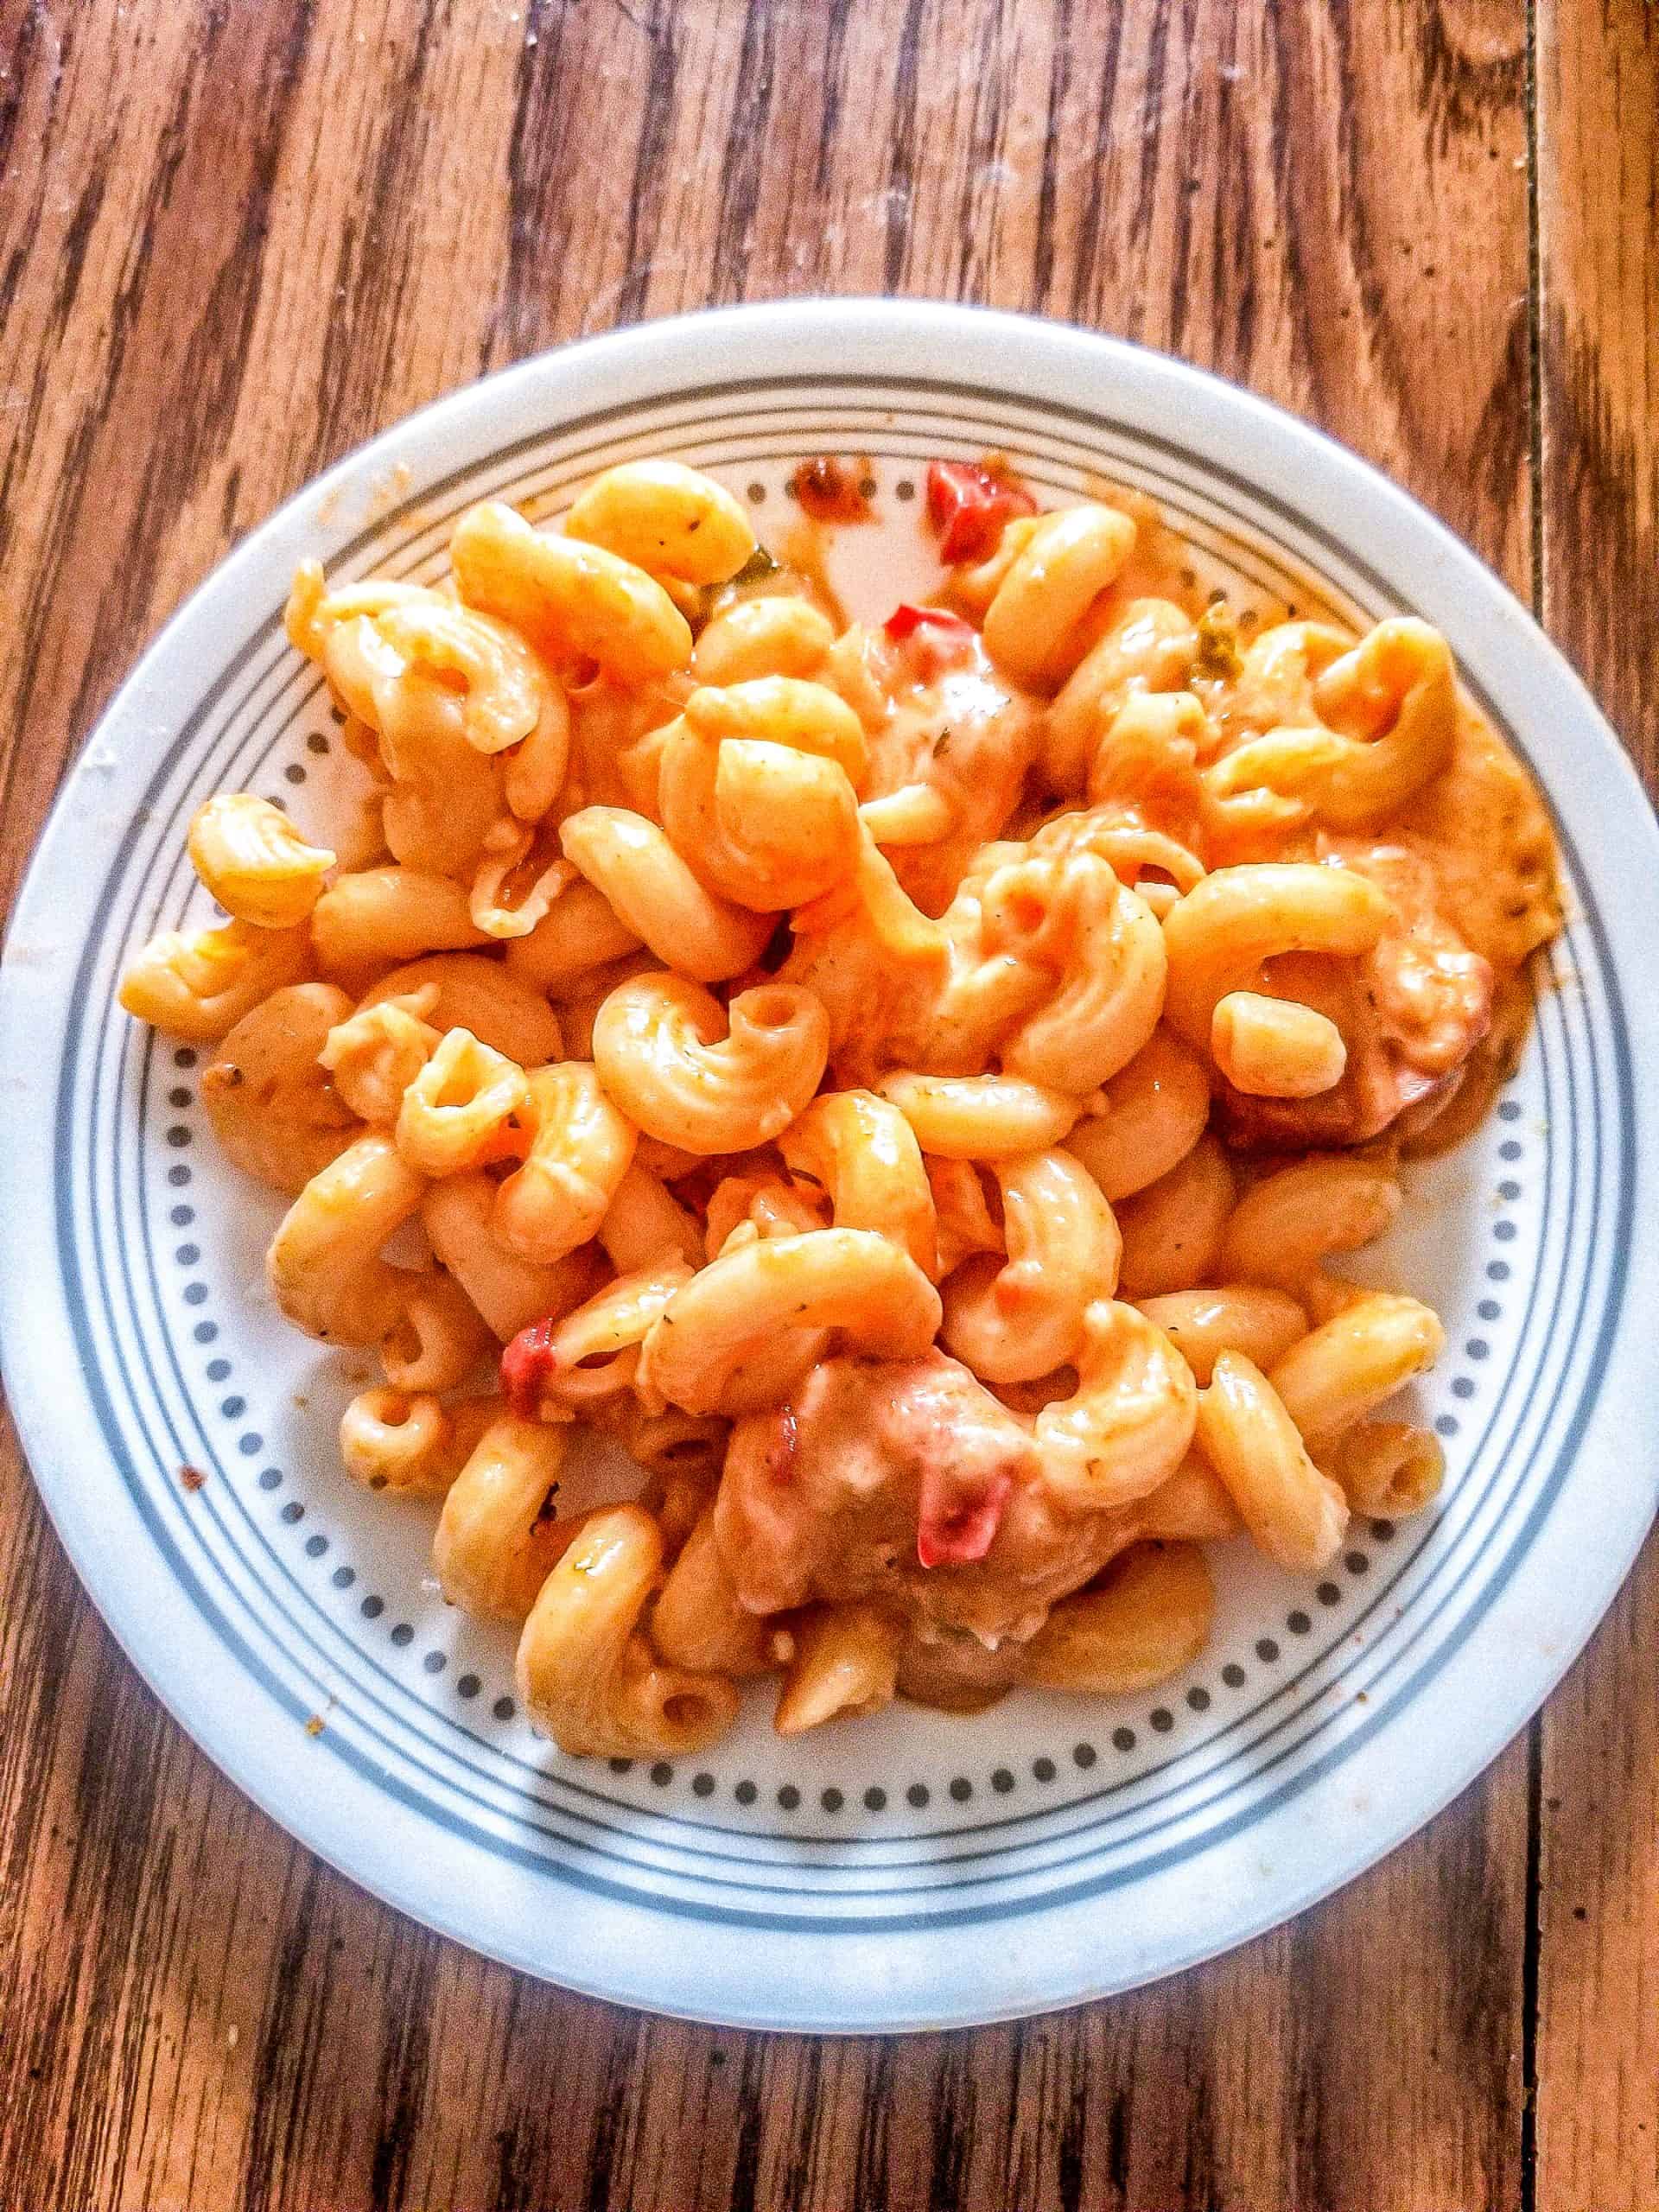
x=758 y=566
x=1218 y=657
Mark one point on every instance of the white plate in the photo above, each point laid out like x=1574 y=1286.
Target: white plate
x=916 y=1870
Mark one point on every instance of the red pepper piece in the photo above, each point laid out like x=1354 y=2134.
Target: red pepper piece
x=954 y=1529
x=528 y=1368
x=780 y=1456
x=969 y=508
x=905 y=620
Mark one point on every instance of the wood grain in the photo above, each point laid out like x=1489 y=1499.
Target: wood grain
x=235 y=238
x=1598 y=1920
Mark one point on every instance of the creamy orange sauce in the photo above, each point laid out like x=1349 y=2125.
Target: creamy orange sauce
x=830 y=1497
x=1483 y=828
x=966 y=734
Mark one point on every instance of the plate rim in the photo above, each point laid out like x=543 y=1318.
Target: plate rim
x=799 y=327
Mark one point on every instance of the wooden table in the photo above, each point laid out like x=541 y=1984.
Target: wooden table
x=235 y=238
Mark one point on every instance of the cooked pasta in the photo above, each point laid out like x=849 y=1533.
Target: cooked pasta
x=909 y=1086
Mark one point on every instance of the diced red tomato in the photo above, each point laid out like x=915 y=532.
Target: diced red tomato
x=969 y=508
x=905 y=620
x=528 y=1368
x=955 y=1528
x=931 y=639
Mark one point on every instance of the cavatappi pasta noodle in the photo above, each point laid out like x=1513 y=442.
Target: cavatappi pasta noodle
x=912 y=1086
